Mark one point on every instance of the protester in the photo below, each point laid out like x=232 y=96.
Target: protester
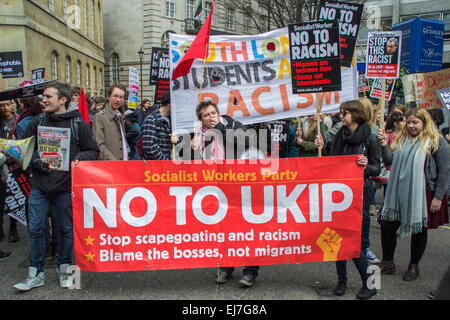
x=74 y=103
x=398 y=108
x=133 y=131
x=355 y=137
x=99 y=104
x=306 y=135
x=52 y=186
x=109 y=126
x=370 y=113
x=7 y=119
x=156 y=132
x=216 y=140
x=415 y=198
x=143 y=111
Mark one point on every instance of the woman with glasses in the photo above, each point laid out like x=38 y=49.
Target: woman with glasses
x=416 y=192
x=356 y=137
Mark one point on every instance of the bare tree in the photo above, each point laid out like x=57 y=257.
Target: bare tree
x=274 y=14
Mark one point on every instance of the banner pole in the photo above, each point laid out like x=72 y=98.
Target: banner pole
x=318 y=111
x=382 y=103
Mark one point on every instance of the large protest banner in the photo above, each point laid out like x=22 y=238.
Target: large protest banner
x=349 y=16
x=164 y=215
x=249 y=77
x=315 y=56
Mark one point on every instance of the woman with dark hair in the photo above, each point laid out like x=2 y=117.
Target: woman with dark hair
x=415 y=198
x=355 y=137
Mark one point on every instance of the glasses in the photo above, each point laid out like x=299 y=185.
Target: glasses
x=343 y=112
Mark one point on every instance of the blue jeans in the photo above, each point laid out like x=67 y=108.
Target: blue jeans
x=253 y=270
x=38 y=209
x=365 y=230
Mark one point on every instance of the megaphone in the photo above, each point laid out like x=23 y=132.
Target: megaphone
x=20 y=151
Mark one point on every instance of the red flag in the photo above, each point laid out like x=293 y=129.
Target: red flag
x=196 y=50
x=82 y=106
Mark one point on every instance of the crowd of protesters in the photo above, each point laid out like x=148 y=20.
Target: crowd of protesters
x=410 y=152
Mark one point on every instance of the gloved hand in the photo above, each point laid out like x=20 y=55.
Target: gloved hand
x=41 y=166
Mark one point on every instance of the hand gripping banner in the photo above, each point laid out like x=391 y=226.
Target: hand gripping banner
x=137 y=215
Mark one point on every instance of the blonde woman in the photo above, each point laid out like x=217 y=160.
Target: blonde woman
x=415 y=197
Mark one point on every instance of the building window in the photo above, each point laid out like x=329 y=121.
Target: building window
x=85 y=16
x=230 y=18
x=51 y=5
x=99 y=23
x=54 y=65
x=92 y=19
x=446 y=19
x=115 y=60
x=79 y=73
x=189 y=9
x=65 y=9
x=95 y=78
x=170 y=8
x=100 y=80
x=68 y=70
x=246 y=23
x=165 y=39
x=88 y=76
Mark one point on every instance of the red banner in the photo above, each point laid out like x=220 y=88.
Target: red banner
x=151 y=215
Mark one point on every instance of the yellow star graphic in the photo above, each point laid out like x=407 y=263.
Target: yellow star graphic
x=89 y=240
x=90 y=256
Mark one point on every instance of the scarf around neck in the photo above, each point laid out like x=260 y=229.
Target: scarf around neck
x=405 y=199
x=212 y=140
x=348 y=143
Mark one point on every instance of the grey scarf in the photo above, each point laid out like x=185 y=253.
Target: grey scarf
x=405 y=199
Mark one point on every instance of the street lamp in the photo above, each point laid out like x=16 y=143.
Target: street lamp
x=141 y=57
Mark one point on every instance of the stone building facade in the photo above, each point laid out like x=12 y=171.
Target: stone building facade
x=63 y=36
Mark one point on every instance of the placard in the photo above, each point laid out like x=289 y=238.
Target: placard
x=11 y=64
x=38 y=75
x=444 y=96
x=159 y=66
x=349 y=16
x=383 y=55
x=133 y=88
x=167 y=215
x=315 y=57
x=377 y=89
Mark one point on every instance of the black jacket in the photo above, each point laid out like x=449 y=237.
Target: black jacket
x=54 y=181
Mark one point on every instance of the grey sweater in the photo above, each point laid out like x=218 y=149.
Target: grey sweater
x=436 y=176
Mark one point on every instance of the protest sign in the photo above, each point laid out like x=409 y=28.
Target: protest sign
x=376 y=89
x=11 y=64
x=383 y=55
x=349 y=16
x=159 y=65
x=38 y=75
x=133 y=89
x=433 y=81
x=17 y=193
x=249 y=78
x=163 y=78
x=54 y=147
x=195 y=215
x=444 y=96
x=315 y=57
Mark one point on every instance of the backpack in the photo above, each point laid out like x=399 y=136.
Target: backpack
x=74 y=126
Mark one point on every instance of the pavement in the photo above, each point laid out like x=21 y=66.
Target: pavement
x=307 y=281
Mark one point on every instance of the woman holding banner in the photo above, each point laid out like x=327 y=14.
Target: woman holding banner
x=355 y=137
x=415 y=197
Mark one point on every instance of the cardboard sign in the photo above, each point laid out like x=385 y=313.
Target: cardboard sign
x=376 y=89
x=11 y=64
x=444 y=96
x=198 y=215
x=349 y=16
x=38 y=75
x=383 y=55
x=315 y=57
x=433 y=81
x=133 y=89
